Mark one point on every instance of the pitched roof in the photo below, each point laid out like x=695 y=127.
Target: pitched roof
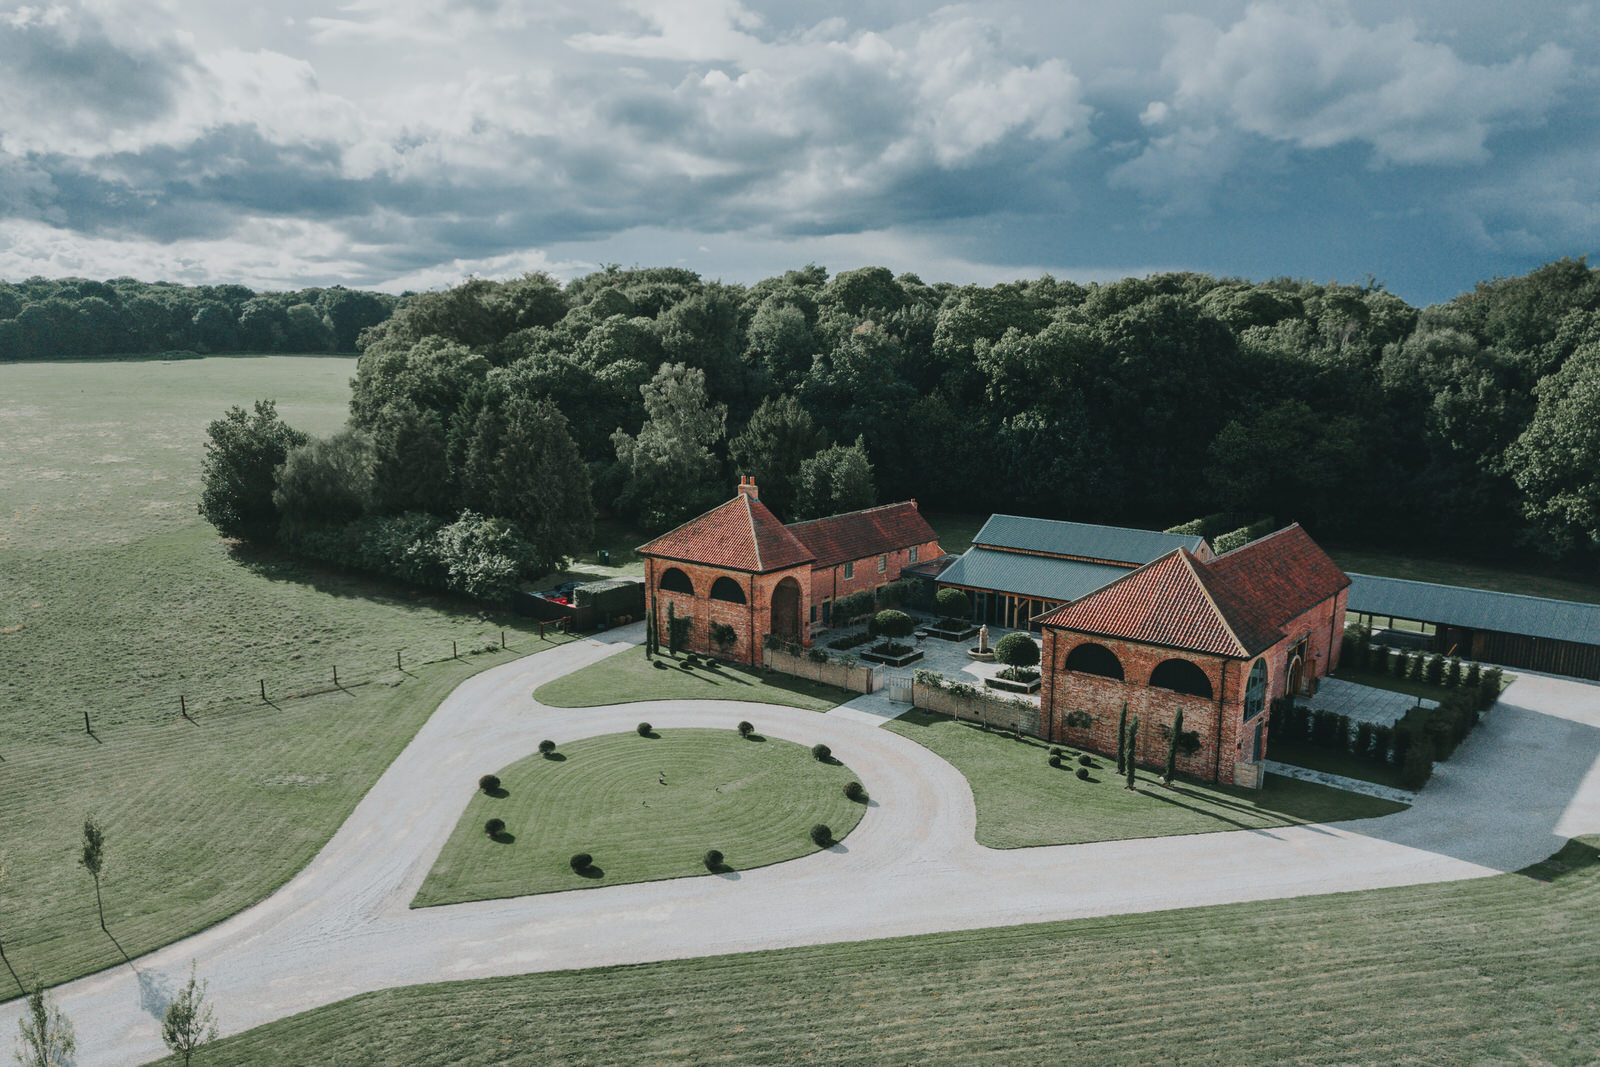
x=1044 y=577
x=859 y=534
x=1115 y=544
x=1174 y=601
x=1281 y=575
x=1479 y=609
x=741 y=535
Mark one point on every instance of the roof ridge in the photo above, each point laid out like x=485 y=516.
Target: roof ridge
x=1257 y=541
x=1205 y=590
x=755 y=537
x=847 y=514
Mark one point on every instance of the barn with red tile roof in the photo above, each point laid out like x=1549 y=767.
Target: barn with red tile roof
x=1219 y=639
x=736 y=573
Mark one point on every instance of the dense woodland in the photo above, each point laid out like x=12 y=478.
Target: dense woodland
x=49 y=319
x=1469 y=426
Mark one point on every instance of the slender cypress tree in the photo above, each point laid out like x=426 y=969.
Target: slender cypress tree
x=1122 y=739
x=672 y=628
x=650 y=645
x=1172 y=746
x=1133 y=738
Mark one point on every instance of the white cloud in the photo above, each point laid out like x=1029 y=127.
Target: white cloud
x=1308 y=75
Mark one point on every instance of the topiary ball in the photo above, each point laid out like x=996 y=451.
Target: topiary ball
x=1055 y=761
x=1083 y=774
x=546 y=747
x=1055 y=752
x=713 y=859
x=854 y=791
x=489 y=783
x=494 y=827
x=581 y=861
x=822 y=753
x=821 y=835
x=644 y=729
x=1085 y=761
x=746 y=729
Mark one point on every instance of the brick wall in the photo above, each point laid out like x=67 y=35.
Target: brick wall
x=829 y=583
x=751 y=621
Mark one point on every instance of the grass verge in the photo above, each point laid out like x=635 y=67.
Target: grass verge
x=1493 y=970
x=645 y=808
x=629 y=676
x=1023 y=801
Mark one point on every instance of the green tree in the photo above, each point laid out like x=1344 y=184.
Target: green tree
x=1017 y=650
x=778 y=439
x=835 y=480
x=189 y=1021
x=92 y=858
x=238 y=474
x=1133 y=748
x=669 y=470
x=410 y=468
x=1122 y=739
x=522 y=464
x=1172 y=746
x=893 y=623
x=1556 y=461
x=46 y=1037
x=325 y=482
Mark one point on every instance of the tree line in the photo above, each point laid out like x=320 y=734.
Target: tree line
x=41 y=318
x=1471 y=425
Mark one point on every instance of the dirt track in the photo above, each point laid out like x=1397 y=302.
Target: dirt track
x=342 y=926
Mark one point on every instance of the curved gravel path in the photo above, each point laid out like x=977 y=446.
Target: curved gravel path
x=342 y=926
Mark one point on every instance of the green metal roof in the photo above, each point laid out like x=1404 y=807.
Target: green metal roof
x=1118 y=543
x=1477 y=609
x=1043 y=577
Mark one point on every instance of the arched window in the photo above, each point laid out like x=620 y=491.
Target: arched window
x=726 y=588
x=674 y=580
x=1181 y=676
x=1090 y=658
x=1255 y=690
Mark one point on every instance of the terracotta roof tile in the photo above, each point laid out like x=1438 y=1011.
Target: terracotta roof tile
x=859 y=534
x=741 y=535
x=1281 y=575
x=1172 y=602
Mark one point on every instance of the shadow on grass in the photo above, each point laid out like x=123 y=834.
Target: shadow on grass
x=591 y=872
x=499 y=792
x=554 y=757
x=1574 y=856
x=504 y=837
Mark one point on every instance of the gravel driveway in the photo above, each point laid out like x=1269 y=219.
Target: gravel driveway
x=342 y=926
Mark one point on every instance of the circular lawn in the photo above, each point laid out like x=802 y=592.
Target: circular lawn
x=644 y=808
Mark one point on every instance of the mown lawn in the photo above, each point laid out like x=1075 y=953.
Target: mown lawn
x=1495 y=970
x=645 y=808
x=629 y=676
x=117 y=599
x=1023 y=801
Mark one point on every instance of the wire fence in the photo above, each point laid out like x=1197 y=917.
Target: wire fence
x=99 y=707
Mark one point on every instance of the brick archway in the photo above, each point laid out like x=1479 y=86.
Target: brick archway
x=786 y=609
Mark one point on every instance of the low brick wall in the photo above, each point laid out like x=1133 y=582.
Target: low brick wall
x=862 y=678
x=998 y=712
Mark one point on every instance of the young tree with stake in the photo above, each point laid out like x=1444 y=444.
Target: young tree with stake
x=190 y=1021
x=1133 y=738
x=46 y=1037
x=1122 y=739
x=93 y=859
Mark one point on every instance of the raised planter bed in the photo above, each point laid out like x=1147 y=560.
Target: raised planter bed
x=1013 y=687
x=951 y=635
x=893 y=659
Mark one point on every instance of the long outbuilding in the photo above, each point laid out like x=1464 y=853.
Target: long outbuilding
x=1536 y=633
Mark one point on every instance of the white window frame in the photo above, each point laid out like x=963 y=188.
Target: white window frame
x=849 y=571
x=883 y=564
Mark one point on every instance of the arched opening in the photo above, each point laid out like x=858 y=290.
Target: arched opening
x=1255 y=691
x=786 y=609
x=726 y=588
x=674 y=580
x=1090 y=658
x=1181 y=676
x=1296 y=675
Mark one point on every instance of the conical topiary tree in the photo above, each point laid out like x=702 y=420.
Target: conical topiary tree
x=1172 y=746
x=1122 y=738
x=1133 y=740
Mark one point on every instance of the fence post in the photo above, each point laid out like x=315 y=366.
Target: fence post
x=453 y=654
x=86 y=728
x=397 y=660
x=502 y=639
x=183 y=708
x=263 y=690
x=336 y=676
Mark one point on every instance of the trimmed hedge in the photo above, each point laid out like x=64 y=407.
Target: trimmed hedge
x=821 y=836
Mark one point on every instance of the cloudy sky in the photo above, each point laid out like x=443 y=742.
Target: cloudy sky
x=409 y=143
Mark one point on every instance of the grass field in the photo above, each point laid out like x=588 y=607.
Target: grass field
x=1023 y=801
x=645 y=808
x=1529 y=582
x=116 y=598
x=1495 y=970
x=629 y=676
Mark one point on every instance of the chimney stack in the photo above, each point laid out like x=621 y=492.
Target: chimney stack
x=747 y=487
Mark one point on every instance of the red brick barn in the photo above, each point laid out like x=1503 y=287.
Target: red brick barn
x=1220 y=639
x=737 y=568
